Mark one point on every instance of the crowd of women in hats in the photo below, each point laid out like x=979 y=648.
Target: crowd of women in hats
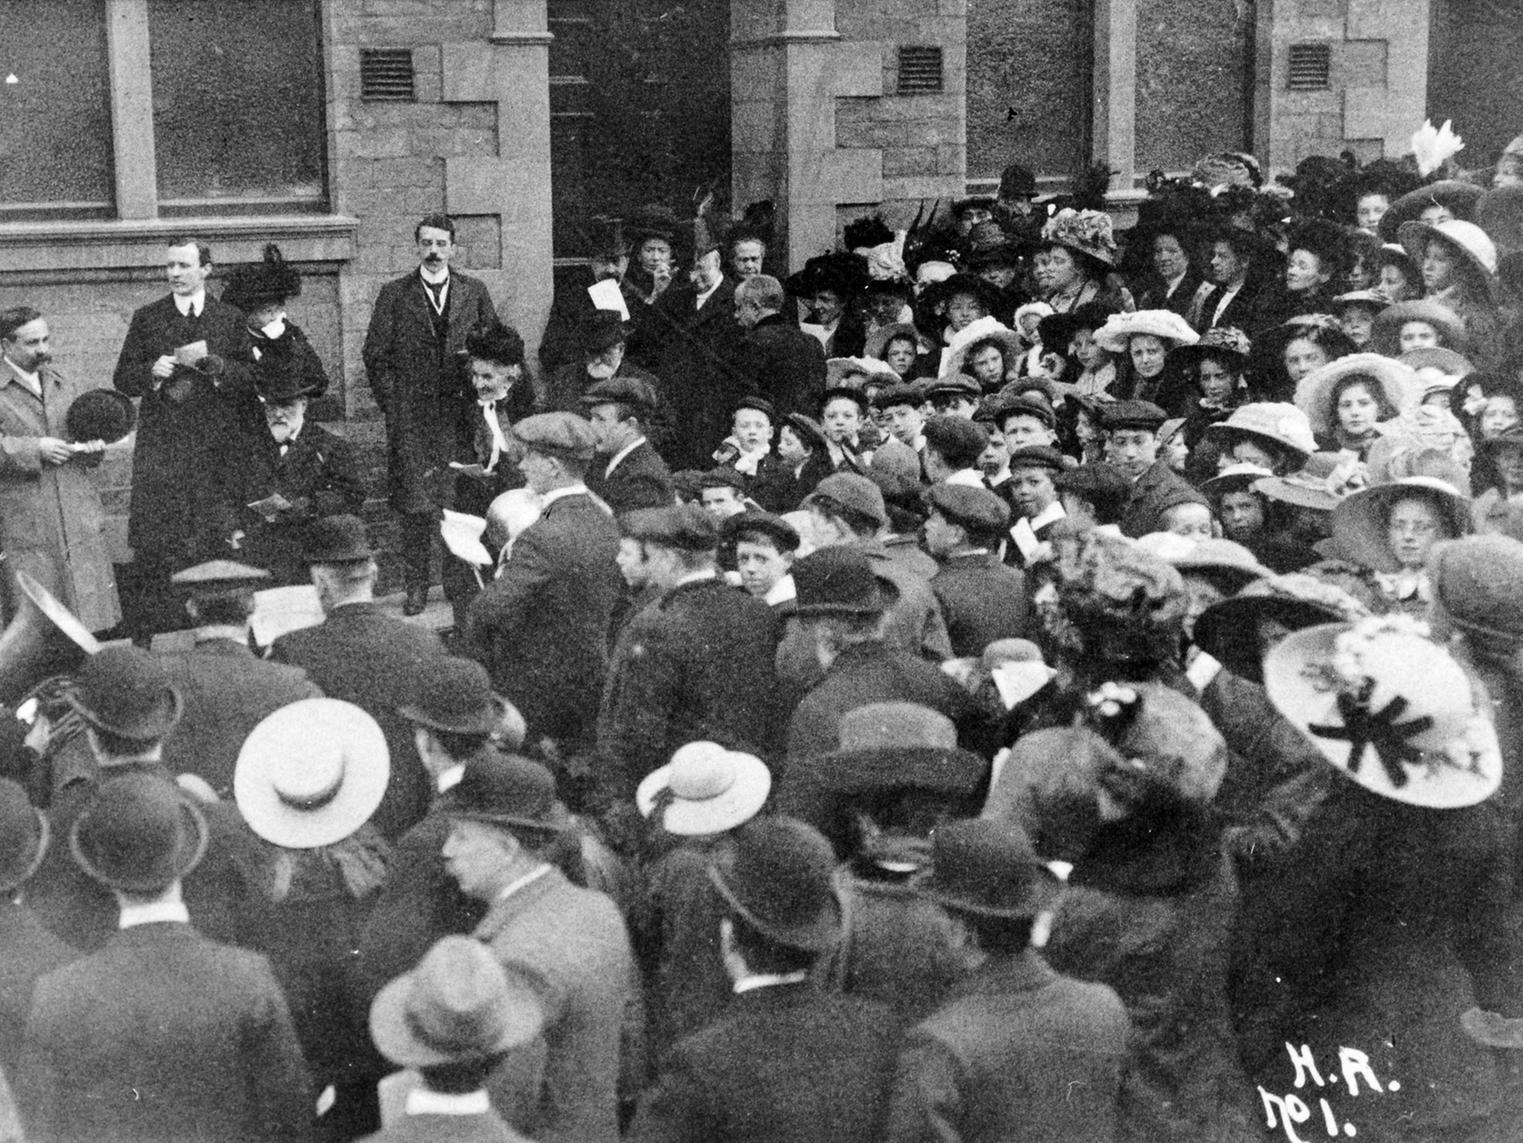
x=1078 y=697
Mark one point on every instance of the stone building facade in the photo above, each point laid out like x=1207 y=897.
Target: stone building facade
x=331 y=126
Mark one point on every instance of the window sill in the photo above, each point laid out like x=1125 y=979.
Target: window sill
x=101 y=244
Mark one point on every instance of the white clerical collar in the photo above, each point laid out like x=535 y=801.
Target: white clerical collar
x=423 y=1101
x=438 y=277
x=613 y=461
x=526 y=879
x=757 y=980
x=450 y=778
x=549 y=498
x=157 y=913
x=783 y=591
x=967 y=477
x=1047 y=515
x=186 y=303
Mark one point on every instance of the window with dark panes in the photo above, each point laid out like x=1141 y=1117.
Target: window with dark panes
x=237 y=105
x=55 y=117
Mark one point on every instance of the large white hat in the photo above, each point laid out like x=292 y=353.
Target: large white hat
x=1314 y=392
x=311 y=773
x=1390 y=709
x=705 y=789
x=1166 y=325
x=982 y=329
x=1359 y=520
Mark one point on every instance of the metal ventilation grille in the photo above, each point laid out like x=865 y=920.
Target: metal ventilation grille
x=386 y=73
x=919 y=71
x=1311 y=67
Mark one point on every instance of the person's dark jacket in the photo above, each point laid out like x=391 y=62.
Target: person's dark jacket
x=1151 y=492
x=292 y=351
x=361 y=655
x=785 y=1064
x=1153 y=295
x=641 y=480
x=783 y=364
x=27 y=952
x=695 y=665
x=697 y=366
x=981 y=600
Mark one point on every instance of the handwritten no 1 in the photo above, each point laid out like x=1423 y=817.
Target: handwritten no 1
x=1290 y=1111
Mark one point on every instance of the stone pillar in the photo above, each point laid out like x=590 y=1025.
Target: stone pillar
x=1115 y=96
x=788 y=65
x=512 y=70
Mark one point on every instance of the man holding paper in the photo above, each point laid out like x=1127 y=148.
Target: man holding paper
x=187 y=357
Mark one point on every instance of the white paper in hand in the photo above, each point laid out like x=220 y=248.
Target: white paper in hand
x=278 y=610
x=606 y=295
x=462 y=536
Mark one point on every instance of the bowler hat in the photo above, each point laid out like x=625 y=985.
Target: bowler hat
x=456 y=697
x=267 y=282
x=336 y=540
x=780 y=878
x=505 y=791
x=458 y=1004
x=681 y=527
x=900 y=746
x=854 y=492
x=602 y=329
x=976 y=509
x=836 y=581
x=23 y=836
x=704 y=789
x=1017 y=181
x=621 y=391
x=126 y=692
x=989 y=869
x=139 y=833
x=100 y=415
x=564 y=435
x=311 y=773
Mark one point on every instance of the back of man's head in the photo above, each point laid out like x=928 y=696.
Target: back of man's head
x=765 y=290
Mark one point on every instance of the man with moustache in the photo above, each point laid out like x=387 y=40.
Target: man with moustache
x=412 y=355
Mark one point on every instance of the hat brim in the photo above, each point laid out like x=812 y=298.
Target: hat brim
x=477 y=722
x=1224 y=483
x=1399 y=385
x=821 y=932
x=948 y=770
x=57 y=614
x=1293 y=690
x=1038 y=895
x=1229 y=631
x=1414 y=237
x=394 y=1035
x=166 y=716
x=1386 y=332
x=1358 y=523
x=733 y=807
x=1221 y=429
x=1284 y=491
x=10 y=879
x=291 y=732
x=193 y=840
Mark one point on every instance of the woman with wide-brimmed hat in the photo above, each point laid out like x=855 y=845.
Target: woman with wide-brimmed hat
x=1071 y=357
x=832 y=286
x=1387 y=531
x=1143 y=340
x=1356 y=312
x=1458 y=262
x=1419 y=324
x=1432 y=203
x=1388 y=924
x=1347 y=400
x=986 y=351
x=1214 y=368
x=1074 y=260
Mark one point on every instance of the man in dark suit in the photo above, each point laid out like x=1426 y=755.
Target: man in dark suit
x=412 y=357
x=627 y=473
x=603 y=339
x=541 y=627
x=361 y=655
x=225 y=689
x=161 y=1034
x=453 y=1018
x=1131 y=445
x=695 y=327
x=607 y=261
x=1005 y=1057
x=981 y=599
x=1234 y=299
x=188 y=358
x=301 y=463
x=504 y=820
x=776 y=360
x=787 y=1062
x=697 y=664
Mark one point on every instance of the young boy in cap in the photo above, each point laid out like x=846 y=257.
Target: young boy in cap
x=1131 y=444
x=765 y=546
x=787 y=1060
x=1034 y=501
x=162 y=1033
x=981 y=599
x=953 y=445
x=627 y=472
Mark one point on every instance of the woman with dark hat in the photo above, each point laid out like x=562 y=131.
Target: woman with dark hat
x=803 y=460
x=832 y=286
x=1073 y=263
x=1282 y=356
x=950 y=306
x=1319 y=257
x=1214 y=368
x=262 y=290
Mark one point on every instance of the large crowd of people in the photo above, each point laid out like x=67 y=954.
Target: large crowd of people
x=1010 y=678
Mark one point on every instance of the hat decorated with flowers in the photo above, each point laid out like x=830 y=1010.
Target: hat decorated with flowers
x=1087 y=232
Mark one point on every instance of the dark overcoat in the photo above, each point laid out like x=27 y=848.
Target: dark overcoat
x=641 y=480
x=1157 y=486
x=981 y=600
x=699 y=384
x=413 y=361
x=364 y=656
x=786 y=1064
x=27 y=951
x=541 y=627
x=187 y=427
x=782 y=363
x=164 y=1035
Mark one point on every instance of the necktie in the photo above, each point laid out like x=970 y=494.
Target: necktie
x=435 y=294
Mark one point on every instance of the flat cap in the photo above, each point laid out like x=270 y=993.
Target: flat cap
x=904 y=393
x=557 y=434
x=683 y=527
x=1133 y=415
x=220 y=577
x=853 y=492
x=1023 y=406
x=722 y=477
x=621 y=391
x=1037 y=456
x=976 y=509
x=954 y=437
x=836 y=580
x=783 y=534
x=760 y=404
x=952 y=383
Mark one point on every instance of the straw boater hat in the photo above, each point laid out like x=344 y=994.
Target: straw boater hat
x=1228 y=631
x=1314 y=392
x=1277 y=423
x=1166 y=325
x=311 y=773
x=1359 y=522
x=1472 y=244
x=458 y=1004
x=1390 y=709
x=1386 y=335
x=983 y=329
x=704 y=789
